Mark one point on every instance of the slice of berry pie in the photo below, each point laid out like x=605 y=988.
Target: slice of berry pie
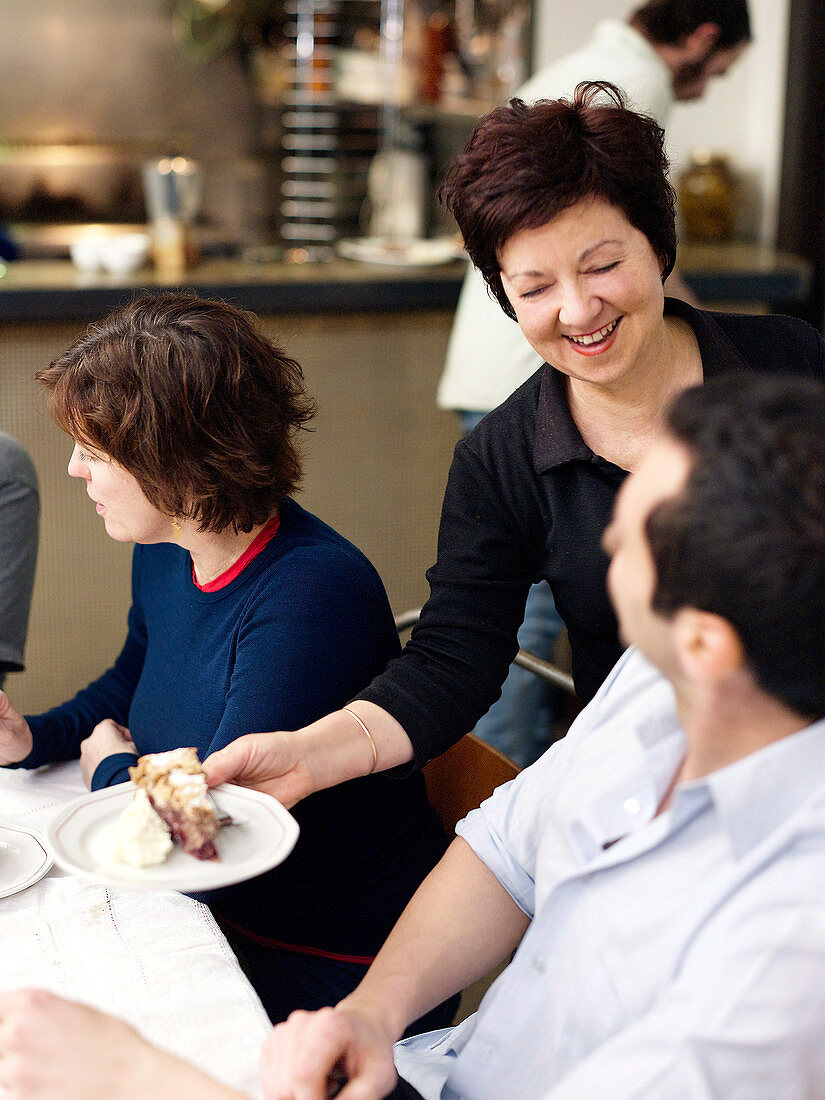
x=176 y=786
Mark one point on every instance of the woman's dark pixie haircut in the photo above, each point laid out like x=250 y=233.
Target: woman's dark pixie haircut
x=190 y=398
x=524 y=165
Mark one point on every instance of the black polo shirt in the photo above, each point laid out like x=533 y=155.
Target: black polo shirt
x=526 y=500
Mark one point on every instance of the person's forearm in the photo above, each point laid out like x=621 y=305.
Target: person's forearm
x=289 y=765
x=163 y=1074
x=50 y=1046
x=339 y=749
x=460 y=923
x=58 y=732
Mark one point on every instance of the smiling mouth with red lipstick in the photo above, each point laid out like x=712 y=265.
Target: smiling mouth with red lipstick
x=594 y=343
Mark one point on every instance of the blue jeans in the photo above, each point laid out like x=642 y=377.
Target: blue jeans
x=520 y=723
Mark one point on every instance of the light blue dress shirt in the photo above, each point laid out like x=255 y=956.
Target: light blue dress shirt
x=678 y=956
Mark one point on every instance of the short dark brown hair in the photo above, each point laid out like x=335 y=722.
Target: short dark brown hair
x=523 y=165
x=745 y=537
x=669 y=22
x=190 y=398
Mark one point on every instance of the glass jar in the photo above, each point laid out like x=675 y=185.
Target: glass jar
x=707 y=197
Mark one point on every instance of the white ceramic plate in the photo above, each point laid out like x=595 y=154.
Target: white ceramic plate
x=420 y=253
x=78 y=837
x=23 y=859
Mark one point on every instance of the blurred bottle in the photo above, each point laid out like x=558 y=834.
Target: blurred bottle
x=509 y=52
x=396 y=194
x=172 y=187
x=707 y=197
x=438 y=41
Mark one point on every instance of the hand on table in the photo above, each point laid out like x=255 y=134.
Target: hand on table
x=54 y=1049
x=269 y=762
x=105 y=739
x=302 y=1056
x=15 y=735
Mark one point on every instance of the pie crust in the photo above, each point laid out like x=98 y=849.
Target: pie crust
x=176 y=786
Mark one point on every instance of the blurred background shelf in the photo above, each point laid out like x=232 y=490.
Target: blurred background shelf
x=744 y=273
x=737 y=273
x=53 y=290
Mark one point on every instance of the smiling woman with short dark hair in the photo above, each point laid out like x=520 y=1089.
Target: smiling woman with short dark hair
x=566 y=209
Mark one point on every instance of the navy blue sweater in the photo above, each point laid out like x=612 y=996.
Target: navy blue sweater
x=304 y=627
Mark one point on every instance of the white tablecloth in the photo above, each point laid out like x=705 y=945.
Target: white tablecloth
x=157 y=960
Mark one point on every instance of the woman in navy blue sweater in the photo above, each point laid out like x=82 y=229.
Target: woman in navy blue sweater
x=248 y=613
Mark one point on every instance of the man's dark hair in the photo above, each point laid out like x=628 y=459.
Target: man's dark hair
x=190 y=398
x=523 y=165
x=745 y=539
x=668 y=22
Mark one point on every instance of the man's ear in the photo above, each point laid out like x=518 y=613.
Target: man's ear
x=707 y=646
x=699 y=43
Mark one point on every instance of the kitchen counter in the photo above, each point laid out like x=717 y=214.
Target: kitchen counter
x=732 y=273
x=743 y=272
x=55 y=290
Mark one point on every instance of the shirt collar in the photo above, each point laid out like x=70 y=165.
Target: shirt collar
x=718 y=352
x=754 y=796
x=624 y=767
x=558 y=440
x=642 y=764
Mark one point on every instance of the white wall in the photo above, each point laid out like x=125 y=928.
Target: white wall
x=741 y=115
x=107 y=72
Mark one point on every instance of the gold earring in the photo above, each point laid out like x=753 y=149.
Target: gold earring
x=176 y=528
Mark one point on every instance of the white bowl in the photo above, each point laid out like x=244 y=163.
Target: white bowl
x=116 y=253
x=87 y=253
x=125 y=254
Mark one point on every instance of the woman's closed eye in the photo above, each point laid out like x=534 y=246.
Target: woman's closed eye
x=534 y=293
x=603 y=269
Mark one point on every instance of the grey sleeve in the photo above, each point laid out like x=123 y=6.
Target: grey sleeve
x=19 y=518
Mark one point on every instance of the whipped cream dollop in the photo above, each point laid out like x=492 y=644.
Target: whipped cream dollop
x=192 y=786
x=139 y=836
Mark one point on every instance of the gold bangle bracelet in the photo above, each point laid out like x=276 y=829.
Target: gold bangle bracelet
x=369 y=738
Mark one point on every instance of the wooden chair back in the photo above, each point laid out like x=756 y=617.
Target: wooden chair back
x=462 y=777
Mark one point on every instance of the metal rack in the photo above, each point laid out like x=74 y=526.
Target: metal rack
x=327 y=145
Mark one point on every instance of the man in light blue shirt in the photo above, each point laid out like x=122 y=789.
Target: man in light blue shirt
x=660 y=873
